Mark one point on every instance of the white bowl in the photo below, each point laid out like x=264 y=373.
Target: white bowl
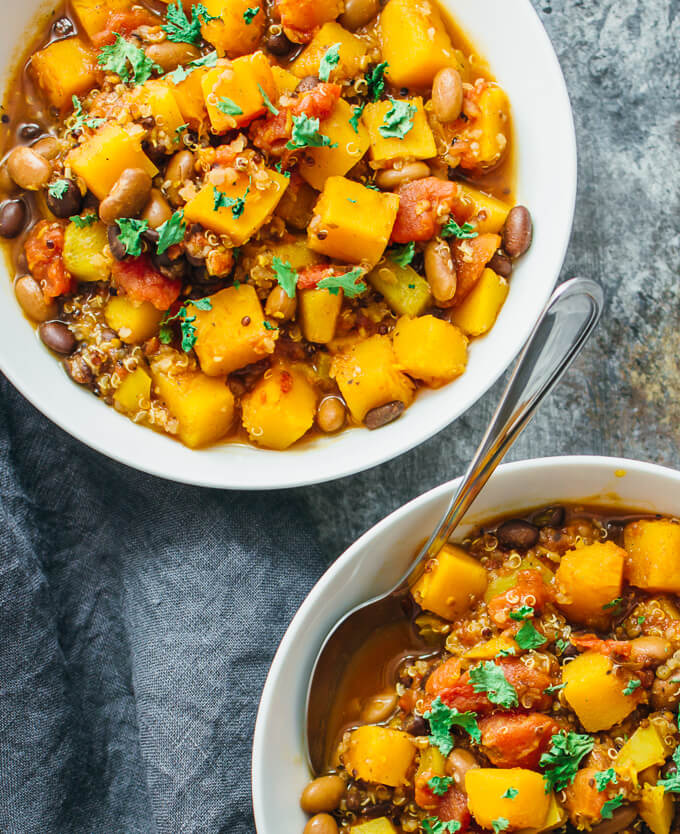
x=524 y=63
x=376 y=561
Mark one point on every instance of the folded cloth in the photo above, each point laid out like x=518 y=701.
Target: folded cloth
x=138 y=619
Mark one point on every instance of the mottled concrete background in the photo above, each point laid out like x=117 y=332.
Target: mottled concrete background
x=621 y=59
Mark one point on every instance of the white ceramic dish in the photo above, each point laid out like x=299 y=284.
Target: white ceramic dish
x=377 y=560
x=523 y=60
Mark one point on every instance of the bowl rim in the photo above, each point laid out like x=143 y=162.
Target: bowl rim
x=415 y=505
x=258 y=469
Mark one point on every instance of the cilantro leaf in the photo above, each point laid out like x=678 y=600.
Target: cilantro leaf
x=561 y=645
x=171 y=232
x=346 y=282
x=500 y=824
x=186 y=323
x=524 y=612
x=182 y=72
x=550 y=690
x=489 y=678
x=432 y=825
x=611 y=805
x=402 y=255
x=79 y=120
x=329 y=60
x=182 y=30
x=127 y=61
x=306 y=134
x=398 y=120
x=605 y=777
x=376 y=81
x=131 y=231
x=267 y=103
x=671 y=784
x=563 y=758
x=229 y=107
x=442 y=718
x=83 y=222
x=511 y=793
x=529 y=638
x=180 y=130
x=452 y=229
x=269 y=326
x=236 y=204
x=250 y=14
x=58 y=189
x=439 y=785
x=285 y=275
x=631 y=686
x=357 y=110
x=613 y=604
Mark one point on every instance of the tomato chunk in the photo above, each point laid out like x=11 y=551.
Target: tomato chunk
x=318 y=102
x=517 y=740
x=470 y=257
x=616 y=649
x=444 y=676
x=138 y=279
x=422 y=205
x=44 y=247
x=122 y=23
x=453 y=806
x=530 y=590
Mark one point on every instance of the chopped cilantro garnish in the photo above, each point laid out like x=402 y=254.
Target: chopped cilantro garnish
x=611 y=805
x=511 y=793
x=398 y=120
x=186 y=323
x=306 y=134
x=452 y=229
x=127 y=61
x=182 y=72
x=376 y=81
x=503 y=652
x=613 y=604
x=402 y=255
x=180 y=130
x=442 y=718
x=267 y=103
x=83 y=222
x=346 y=282
x=432 y=825
x=529 y=638
x=357 y=110
x=605 y=777
x=229 y=107
x=489 y=678
x=631 y=686
x=561 y=645
x=550 y=690
x=269 y=326
x=236 y=204
x=130 y=235
x=250 y=14
x=171 y=232
x=58 y=189
x=329 y=60
x=79 y=117
x=671 y=784
x=524 y=612
x=500 y=824
x=182 y=30
x=439 y=785
x=285 y=275
x=561 y=761
x=640 y=620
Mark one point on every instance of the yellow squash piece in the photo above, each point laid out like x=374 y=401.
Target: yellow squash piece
x=189 y=97
x=223 y=342
x=488 y=213
x=258 y=206
x=135 y=388
x=318 y=311
x=653 y=554
x=133 y=321
x=160 y=99
x=285 y=81
x=430 y=349
x=317 y=164
x=418 y=142
x=231 y=35
x=492 y=126
x=351 y=54
x=485 y=787
x=352 y=223
x=406 y=292
x=452 y=581
x=368 y=375
x=556 y=818
x=84 y=252
x=64 y=69
x=492 y=648
x=415 y=43
x=380 y=755
x=478 y=313
x=237 y=83
x=280 y=408
x=588 y=579
x=94 y=14
x=102 y=158
x=202 y=405
x=595 y=693
x=657 y=809
x=381 y=825
x=643 y=749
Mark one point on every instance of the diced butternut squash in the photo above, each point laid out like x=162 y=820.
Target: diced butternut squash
x=317 y=164
x=93 y=14
x=367 y=374
x=588 y=579
x=159 y=98
x=135 y=388
x=492 y=648
x=235 y=33
x=351 y=222
x=452 y=581
x=430 y=349
x=301 y=18
x=351 y=53
x=643 y=749
x=102 y=158
x=258 y=206
x=280 y=408
x=236 y=84
x=380 y=755
x=556 y=818
x=64 y=69
x=653 y=549
x=381 y=825
x=319 y=311
x=133 y=321
x=415 y=43
x=491 y=127
x=417 y=143
x=293 y=251
x=84 y=252
x=432 y=761
x=406 y=292
x=657 y=809
x=478 y=313
x=223 y=342
x=485 y=787
x=285 y=81
x=487 y=213
x=189 y=97
x=595 y=693
x=202 y=405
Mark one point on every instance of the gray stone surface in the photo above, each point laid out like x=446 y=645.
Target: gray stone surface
x=622 y=65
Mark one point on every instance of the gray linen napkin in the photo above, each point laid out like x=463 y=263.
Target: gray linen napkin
x=138 y=619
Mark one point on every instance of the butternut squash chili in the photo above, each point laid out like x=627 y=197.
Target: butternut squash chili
x=234 y=219
x=535 y=686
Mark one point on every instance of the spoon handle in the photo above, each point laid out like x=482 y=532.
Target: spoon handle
x=569 y=318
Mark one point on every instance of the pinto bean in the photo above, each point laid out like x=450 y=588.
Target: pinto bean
x=322 y=794
x=330 y=416
x=48 y=146
x=379 y=708
x=32 y=301
x=384 y=414
x=358 y=13
x=665 y=694
x=621 y=818
x=279 y=305
x=440 y=270
x=57 y=337
x=650 y=651
x=157 y=210
x=128 y=196
x=517 y=232
x=180 y=168
x=169 y=55
x=28 y=169
x=458 y=762
x=447 y=94
x=13 y=215
x=321 y=824
x=391 y=178
x=517 y=534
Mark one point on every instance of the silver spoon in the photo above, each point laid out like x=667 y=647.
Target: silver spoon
x=563 y=328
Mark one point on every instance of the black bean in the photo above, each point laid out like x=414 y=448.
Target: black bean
x=501 y=264
x=517 y=232
x=517 y=534
x=278 y=44
x=152 y=236
x=307 y=83
x=78 y=369
x=68 y=204
x=353 y=799
x=57 y=337
x=380 y=809
x=30 y=131
x=384 y=414
x=550 y=517
x=13 y=214
x=417 y=726
x=117 y=248
x=193 y=260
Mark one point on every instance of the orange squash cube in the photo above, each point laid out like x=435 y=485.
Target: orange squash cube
x=486 y=788
x=300 y=18
x=587 y=579
x=380 y=755
x=595 y=693
x=133 y=321
x=64 y=69
x=430 y=349
x=352 y=53
x=232 y=35
x=653 y=548
x=418 y=143
x=478 y=313
x=135 y=388
x=93 y=15
x=318 y=311
x=189 y=97
x=452 y=581
x=238 y=83
x=487 y=213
